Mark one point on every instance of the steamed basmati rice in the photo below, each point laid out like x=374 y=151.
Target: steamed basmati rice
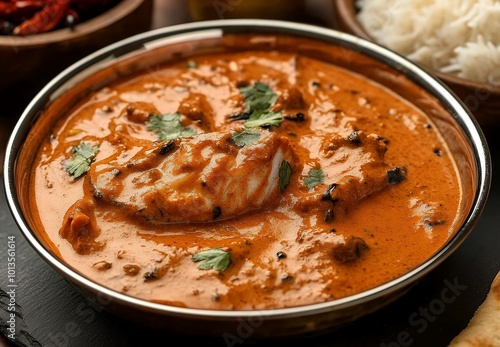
x=461 y=37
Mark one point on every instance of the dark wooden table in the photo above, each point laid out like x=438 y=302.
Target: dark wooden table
x=431 y=314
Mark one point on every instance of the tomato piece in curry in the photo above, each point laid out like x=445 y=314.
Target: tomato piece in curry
x=245 y=180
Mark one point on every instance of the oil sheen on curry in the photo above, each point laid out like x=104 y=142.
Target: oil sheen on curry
x=245 y=180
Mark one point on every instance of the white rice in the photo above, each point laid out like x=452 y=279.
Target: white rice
x=461 y=37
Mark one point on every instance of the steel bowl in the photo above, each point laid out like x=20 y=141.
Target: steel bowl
x=145 y=51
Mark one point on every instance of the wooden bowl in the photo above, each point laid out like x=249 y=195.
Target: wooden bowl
x=483 y=100
x=31 y=61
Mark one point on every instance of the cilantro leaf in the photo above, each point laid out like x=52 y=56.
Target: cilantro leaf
x=192 y=64
x=314 y=177
x=259 y=97
x=246 y=137
x=261 y=119
x=214 y=258
x=168 y=126
x=284 y=174
x=83 y=155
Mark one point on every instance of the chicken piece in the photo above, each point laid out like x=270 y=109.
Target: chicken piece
x=139 y=112
x=194 y=179
x=354 y=168
x=429 y=214
x=80 y=227
x=198 y=110
x=370 y=173
x=290 y=99
x=351 y=249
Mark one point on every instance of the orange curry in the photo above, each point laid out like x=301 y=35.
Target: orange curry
x=245 y=180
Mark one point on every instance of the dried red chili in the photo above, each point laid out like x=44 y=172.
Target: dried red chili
x=29 y=17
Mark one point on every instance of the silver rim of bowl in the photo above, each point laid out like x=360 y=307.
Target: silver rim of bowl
x=195 y=30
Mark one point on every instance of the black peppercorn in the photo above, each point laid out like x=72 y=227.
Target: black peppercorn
x=167 y=147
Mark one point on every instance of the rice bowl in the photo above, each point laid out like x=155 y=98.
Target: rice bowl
x=463 y=41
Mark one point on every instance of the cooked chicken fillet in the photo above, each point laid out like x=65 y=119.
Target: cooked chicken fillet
x=195 y=179
x=356 y=168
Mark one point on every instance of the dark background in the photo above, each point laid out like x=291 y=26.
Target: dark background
x=53 y=313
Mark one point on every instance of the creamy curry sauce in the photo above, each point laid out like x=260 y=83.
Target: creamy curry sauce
x=134 y=221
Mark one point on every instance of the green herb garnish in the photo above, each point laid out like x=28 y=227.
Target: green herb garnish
x=284 y=173
x=259 y=99
x=83 y=155
x=314 y=177
x=168 y=126
x=214 y=258
x=191 y=64
x=246 y=137
x=262 y=119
